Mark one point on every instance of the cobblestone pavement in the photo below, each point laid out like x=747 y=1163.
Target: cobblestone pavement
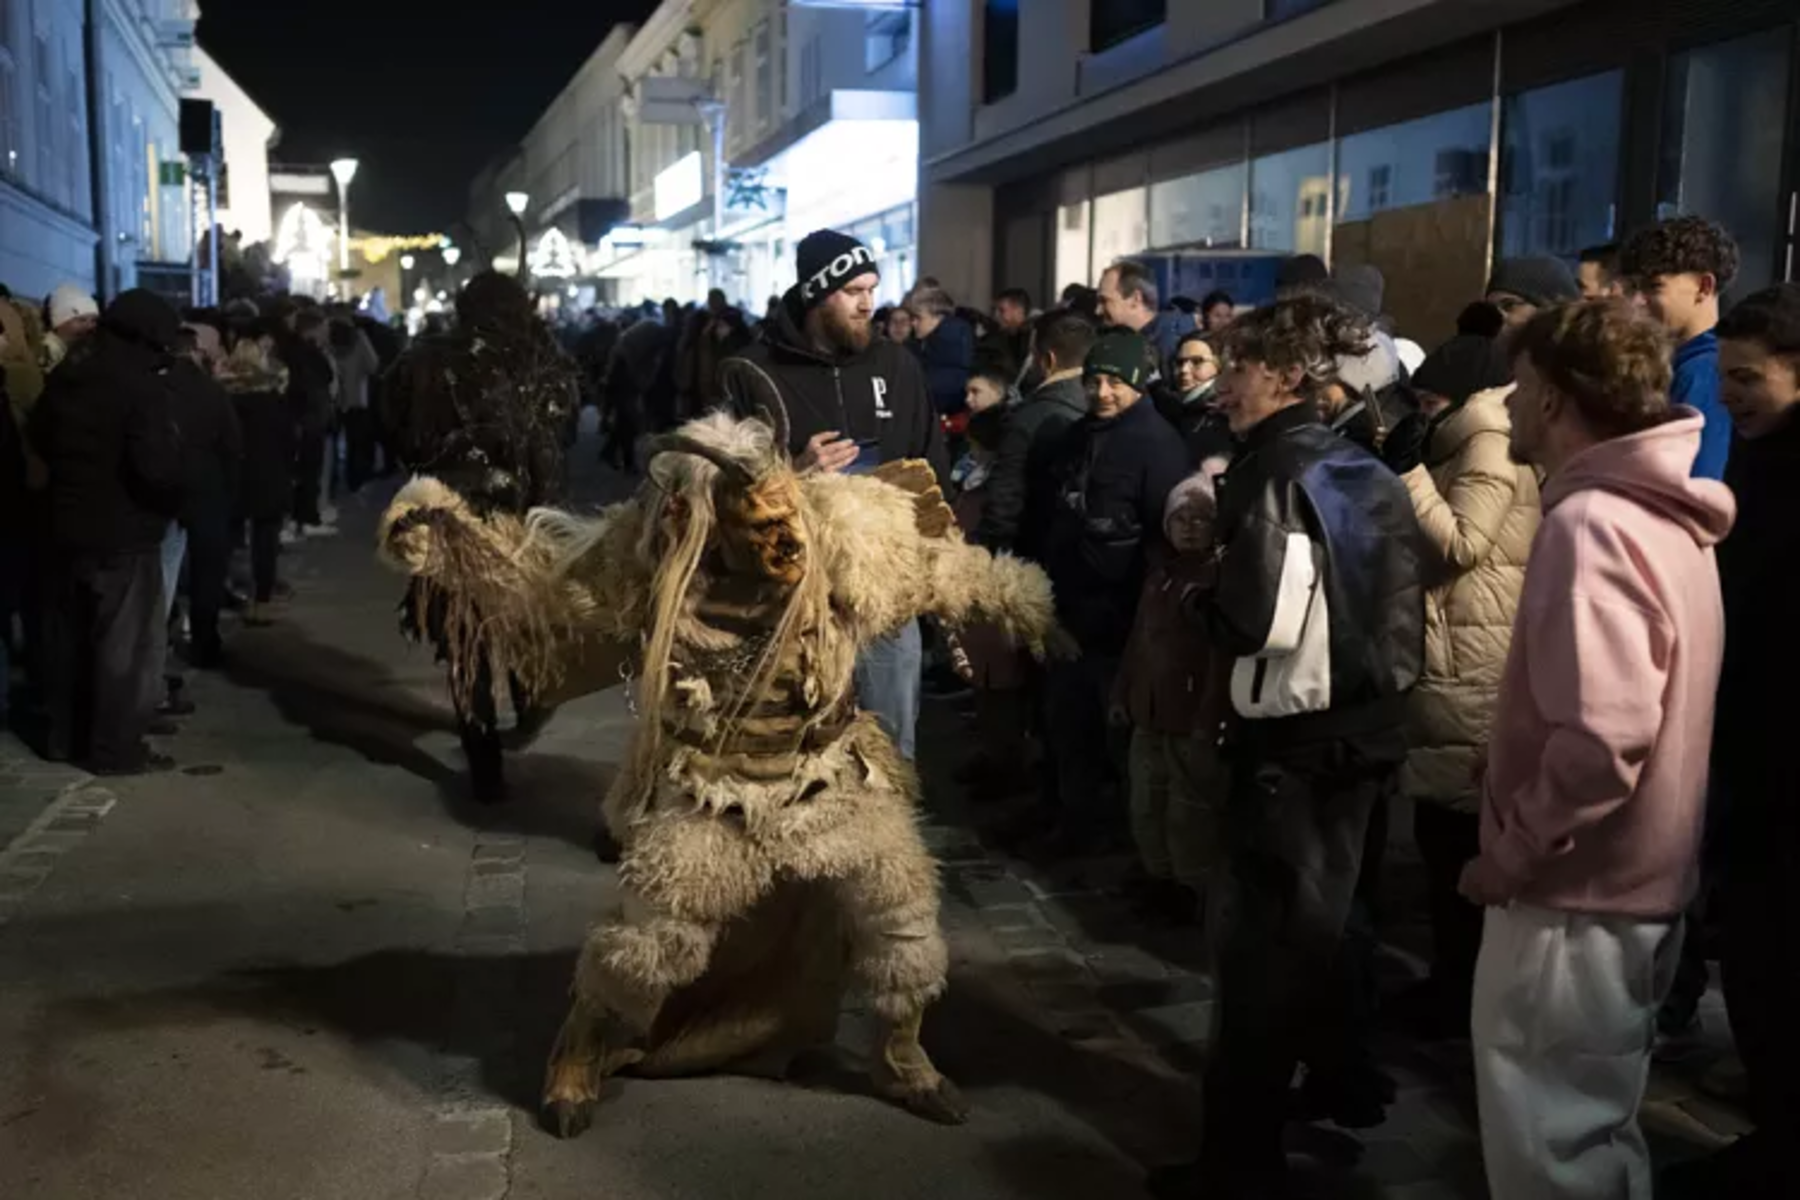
x=312 y=968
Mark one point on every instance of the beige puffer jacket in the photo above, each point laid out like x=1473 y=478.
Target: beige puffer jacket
x=1479 y=512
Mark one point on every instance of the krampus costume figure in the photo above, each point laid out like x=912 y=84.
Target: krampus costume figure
x=485 y=410
x=770 y=852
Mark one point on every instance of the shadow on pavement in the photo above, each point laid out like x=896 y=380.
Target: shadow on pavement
x=502 y=1013
x=345 y=699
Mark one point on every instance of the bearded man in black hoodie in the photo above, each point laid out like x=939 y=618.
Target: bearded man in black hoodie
x=843 y=400
x=106 y=429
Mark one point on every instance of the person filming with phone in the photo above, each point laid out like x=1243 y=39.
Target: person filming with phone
x=844 y=400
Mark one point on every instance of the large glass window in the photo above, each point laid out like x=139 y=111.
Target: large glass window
x=1412 y=200
x=9 y=130
x=1074 y=241
x=1121 y=228
x=1112 y=21
x=76 y=162
x=999 y=49
x=1205 y=209
x=1425 y=161
x=1290 y=200
x=1559 y=167
x=1726 y=108
x=49 y=182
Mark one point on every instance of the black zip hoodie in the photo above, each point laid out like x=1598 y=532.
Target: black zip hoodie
x=877 y=396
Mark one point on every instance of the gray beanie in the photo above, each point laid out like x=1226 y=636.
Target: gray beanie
x=1540 y=281
x=1360 y=287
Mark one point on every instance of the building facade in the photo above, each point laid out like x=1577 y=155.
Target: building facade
x=1425 y=137
x=248 y=134
x=47 y=231
x=141 y=63
x=818 y=115
x=93 y=184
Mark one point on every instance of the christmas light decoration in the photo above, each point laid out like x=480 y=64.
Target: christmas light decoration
x=553 y=258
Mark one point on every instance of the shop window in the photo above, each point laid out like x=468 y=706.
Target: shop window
x=76 y=163
x=1073 y=243
x=48 y=182
x=1412 y=201
x=1418 y=162
x=999 y=49
x=1559 y=167
x=886 y=36
x=1201 y=210
x=9 y=130
x=1121 y=228
x=1726 y=110
x=1113 y=21
x=1290 y=197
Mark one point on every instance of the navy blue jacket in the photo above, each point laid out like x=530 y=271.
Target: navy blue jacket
x=948 y=356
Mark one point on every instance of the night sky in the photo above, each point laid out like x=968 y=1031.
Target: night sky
x=422 y=97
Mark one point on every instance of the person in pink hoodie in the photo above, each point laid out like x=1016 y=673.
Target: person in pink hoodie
x=1595 y=788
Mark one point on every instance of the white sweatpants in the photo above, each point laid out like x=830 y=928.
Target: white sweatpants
x=1563 y=1022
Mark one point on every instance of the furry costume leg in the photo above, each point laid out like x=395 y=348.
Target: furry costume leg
x=886 y=887
x=687 y=878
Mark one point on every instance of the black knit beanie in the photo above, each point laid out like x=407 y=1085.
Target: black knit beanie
x=1461 y=367
x=1539 y=281
x=827 y=260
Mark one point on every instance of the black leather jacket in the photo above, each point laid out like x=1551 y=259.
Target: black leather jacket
x=1319 y=594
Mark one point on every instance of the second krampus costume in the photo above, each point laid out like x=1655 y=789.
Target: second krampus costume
x=484 y=410
x=771 y=852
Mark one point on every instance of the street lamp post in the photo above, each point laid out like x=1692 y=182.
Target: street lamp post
x=343 y=170
x=516 y=203
x=452 y=255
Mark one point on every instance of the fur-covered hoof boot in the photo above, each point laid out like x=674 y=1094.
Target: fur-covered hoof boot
x=943 y=1104
x=566 y=1118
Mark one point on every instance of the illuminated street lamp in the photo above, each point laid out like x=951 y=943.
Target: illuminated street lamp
x=451 y=255
x=516 y=203
x=343 y=170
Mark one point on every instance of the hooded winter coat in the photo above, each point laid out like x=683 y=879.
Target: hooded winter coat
x=1018 y=507
x=106 y=428
x=1478 y=511
x=1595 y=793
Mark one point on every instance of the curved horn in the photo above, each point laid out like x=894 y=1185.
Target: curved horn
x=675 y=443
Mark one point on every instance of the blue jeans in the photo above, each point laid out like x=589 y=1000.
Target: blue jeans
x=887 y=685
x=174 y=549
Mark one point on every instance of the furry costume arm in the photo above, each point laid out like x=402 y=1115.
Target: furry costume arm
x=558 y=598
x=888 y=566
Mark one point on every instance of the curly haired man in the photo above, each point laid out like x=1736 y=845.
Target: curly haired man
x=1677 y=270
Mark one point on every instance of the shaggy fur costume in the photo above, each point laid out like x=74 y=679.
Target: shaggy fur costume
x=771 y=852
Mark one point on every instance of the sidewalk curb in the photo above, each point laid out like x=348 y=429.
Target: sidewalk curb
x=63 y=825
x=471 y=1138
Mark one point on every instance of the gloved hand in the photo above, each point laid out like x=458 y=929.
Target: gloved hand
x=1404 y=448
